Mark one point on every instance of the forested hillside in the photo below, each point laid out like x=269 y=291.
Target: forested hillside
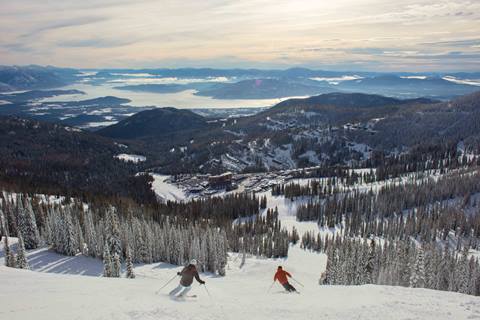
x=49 y=158
x=336 y=129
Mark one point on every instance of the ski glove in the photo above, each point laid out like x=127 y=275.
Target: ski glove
x=179 y=273
x=202 y=282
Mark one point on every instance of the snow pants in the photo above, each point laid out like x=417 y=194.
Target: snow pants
x=180 y=291
x=289 y=287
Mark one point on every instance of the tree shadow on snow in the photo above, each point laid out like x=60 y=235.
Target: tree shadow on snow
x=48 y=261
x=163 y=265
x=13 y=247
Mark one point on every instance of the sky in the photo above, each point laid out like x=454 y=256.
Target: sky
x=376 y=35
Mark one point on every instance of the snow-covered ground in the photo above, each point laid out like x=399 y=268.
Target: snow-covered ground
x=165 y=190
x=135 y=158
x=59 y=291
x=98 y=124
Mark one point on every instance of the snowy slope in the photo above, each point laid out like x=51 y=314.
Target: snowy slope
x=59 y=292
x=166 y=191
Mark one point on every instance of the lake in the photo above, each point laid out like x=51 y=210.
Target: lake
x=182 y=100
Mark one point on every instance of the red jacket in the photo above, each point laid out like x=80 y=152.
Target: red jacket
x=281 y=276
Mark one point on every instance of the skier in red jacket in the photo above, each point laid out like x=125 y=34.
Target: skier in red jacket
x=282 y=277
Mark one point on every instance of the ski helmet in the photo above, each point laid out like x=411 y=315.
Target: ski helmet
x=194 y=262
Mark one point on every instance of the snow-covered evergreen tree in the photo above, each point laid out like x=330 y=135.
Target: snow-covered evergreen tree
x=202 y=256
x=330 y=273
x=3 y=225
x=107 y=262
x=70 y=237
x=113 y=232
x=116 y=266
x=10 y=260
x=194 y=250
x=129 y=265
x=22 y=262
x=90 y=235
x=221 y=253
x=26 y=222
x=464 y=276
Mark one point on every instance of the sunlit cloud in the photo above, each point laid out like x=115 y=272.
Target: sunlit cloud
x=413 y=35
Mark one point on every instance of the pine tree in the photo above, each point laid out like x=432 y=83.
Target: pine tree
x=222 y=257
x=90 y=235
x=474 y=277
x=9 y=256
x=194 y=250
x=330 y=273
x=113 y=232
x=417 y=278
x=370 y=266
x=116 y=266
x=3 y=224
x=22 y=262
x=69 y=237
x=26 y=222
x=464 y=276
x=129 y=265
x=107 y=262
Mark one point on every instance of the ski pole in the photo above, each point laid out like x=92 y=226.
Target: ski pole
x=270 y=287
x=297 y=282
x=207 y=291
x=166 y=284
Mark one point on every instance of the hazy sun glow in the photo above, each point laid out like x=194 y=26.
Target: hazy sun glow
x=410 y=35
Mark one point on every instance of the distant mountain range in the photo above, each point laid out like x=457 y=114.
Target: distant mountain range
x=394 y=85
x=246 y=83
x=34 y=77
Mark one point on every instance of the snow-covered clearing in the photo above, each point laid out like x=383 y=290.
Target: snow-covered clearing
x=97 y=124
x=165 y=190
x=58 y=291
x=135 y=158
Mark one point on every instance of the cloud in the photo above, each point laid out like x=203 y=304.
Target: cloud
x=456 y=43
x=67 y=23
x=95 y=43
x=407 y=34
x=17 y=47
x=371 y=51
